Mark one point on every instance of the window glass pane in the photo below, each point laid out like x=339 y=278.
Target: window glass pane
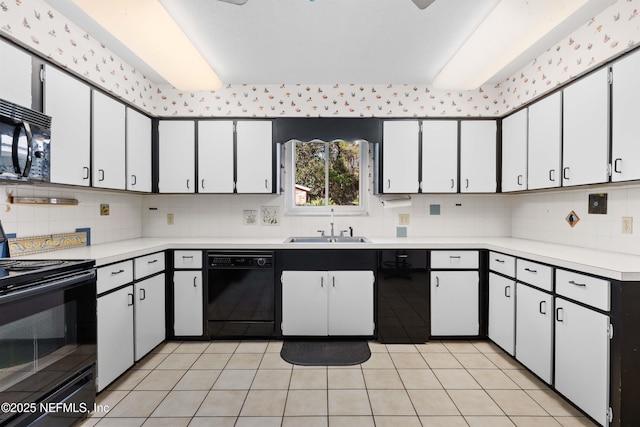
x=344 y=173
x=310 y=174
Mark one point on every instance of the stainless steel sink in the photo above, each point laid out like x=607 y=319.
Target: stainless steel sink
x=327 y=239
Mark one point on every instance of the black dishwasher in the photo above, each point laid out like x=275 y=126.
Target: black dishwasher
x=240 y=301
x=403 y=297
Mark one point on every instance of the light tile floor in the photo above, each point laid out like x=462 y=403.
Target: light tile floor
x=223 y=383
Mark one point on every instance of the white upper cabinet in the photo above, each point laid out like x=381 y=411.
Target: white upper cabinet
x=177 y=156
x=545 y=143
x=68 y=102
x=109 y=148
x=254 y=168
x=478 y=156
x=514 y=152
x=625 y=132
x=215 y=156
x=585 y=149
x=138 y=151
x=400 y=160
x=15 y=75
x=439 y=156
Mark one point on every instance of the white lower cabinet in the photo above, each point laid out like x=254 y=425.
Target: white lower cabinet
x=115 y=335
x=322 y=303
x=582 y=358
x=149 y=315
x=454 y=303
x=187 y=303
x=502 y=311
x=534 y=330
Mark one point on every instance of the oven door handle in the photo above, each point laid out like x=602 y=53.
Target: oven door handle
x=67 y=282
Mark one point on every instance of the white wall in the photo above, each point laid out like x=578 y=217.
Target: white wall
x=541 y=216
x=123 y=222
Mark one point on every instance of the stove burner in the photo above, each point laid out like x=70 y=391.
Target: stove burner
x=12 y=265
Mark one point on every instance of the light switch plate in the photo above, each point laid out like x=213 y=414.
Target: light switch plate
x=403 y=219
x=627 y=225
x=169 y=219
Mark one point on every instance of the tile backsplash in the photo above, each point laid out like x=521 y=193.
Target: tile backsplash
x=536 y=215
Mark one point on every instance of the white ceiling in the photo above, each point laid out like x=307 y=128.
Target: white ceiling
x=328 y=41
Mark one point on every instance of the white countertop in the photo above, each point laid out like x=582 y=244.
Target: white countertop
x=605 y=264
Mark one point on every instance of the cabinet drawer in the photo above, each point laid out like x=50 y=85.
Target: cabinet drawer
x=148 y=265
x=454 y=259
x=187 y=259
x=532 y=273
x=586 y=289
x=112 y=276
x=503 y=264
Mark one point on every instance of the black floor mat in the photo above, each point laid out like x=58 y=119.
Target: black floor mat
x=325 y=353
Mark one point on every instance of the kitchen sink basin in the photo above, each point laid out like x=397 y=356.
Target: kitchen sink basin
x=327 y=239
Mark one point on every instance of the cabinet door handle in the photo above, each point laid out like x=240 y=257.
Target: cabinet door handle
x=437 y=282
x=519 y=179
x=202 y=184
x=542 y=304
x=388 y=184
x=507 y=291
x=402 y=256
x=558 y=311
x=467 y=183
x=531 y=271
x=143 y=294
x=134 y=180
x=195 y=281
x=616 y=169
x=86 y=172
x=152 y=261
x=100 y=174
x=130 y=298
x=452 y=182
x=501 y=261
x=565 y=173
x=266 y=184
x=552 y=175
x=187 y=256
x=333 y=279
x=322 y=282
x=454 y=256
x=582 y=285
x=113 y=273
x=188 y=184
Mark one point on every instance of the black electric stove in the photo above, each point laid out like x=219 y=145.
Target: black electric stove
x=19 y=274
x=47 y=341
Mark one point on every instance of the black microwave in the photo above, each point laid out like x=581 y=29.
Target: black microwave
x=25 y=137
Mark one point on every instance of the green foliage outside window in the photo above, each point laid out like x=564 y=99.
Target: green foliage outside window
x=327 y=173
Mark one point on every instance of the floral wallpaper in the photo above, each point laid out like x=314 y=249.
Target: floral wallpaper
x=35 y=25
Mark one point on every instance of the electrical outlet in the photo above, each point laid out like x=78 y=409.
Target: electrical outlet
x=104 y=209
x=627 y=225
x=169 y=219
x=403 y=219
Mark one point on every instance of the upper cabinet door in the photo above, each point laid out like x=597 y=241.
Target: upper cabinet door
x=439 y=156
x=177 y=156
x=545 y=142
x=15 y=75
x=625 y=122
x=400 y=160
x=68 y=102
x=478 y=156
x=254 y=169
x=215 y=156
x=138 y=151
x=109 y=149
x=585 y=149
x=514 y=152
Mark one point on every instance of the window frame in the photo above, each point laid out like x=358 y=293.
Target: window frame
x=290 y=206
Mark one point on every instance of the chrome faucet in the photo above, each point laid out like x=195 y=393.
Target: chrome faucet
x=332 y=232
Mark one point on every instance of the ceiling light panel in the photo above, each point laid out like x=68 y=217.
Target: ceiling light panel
x=146 y=28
